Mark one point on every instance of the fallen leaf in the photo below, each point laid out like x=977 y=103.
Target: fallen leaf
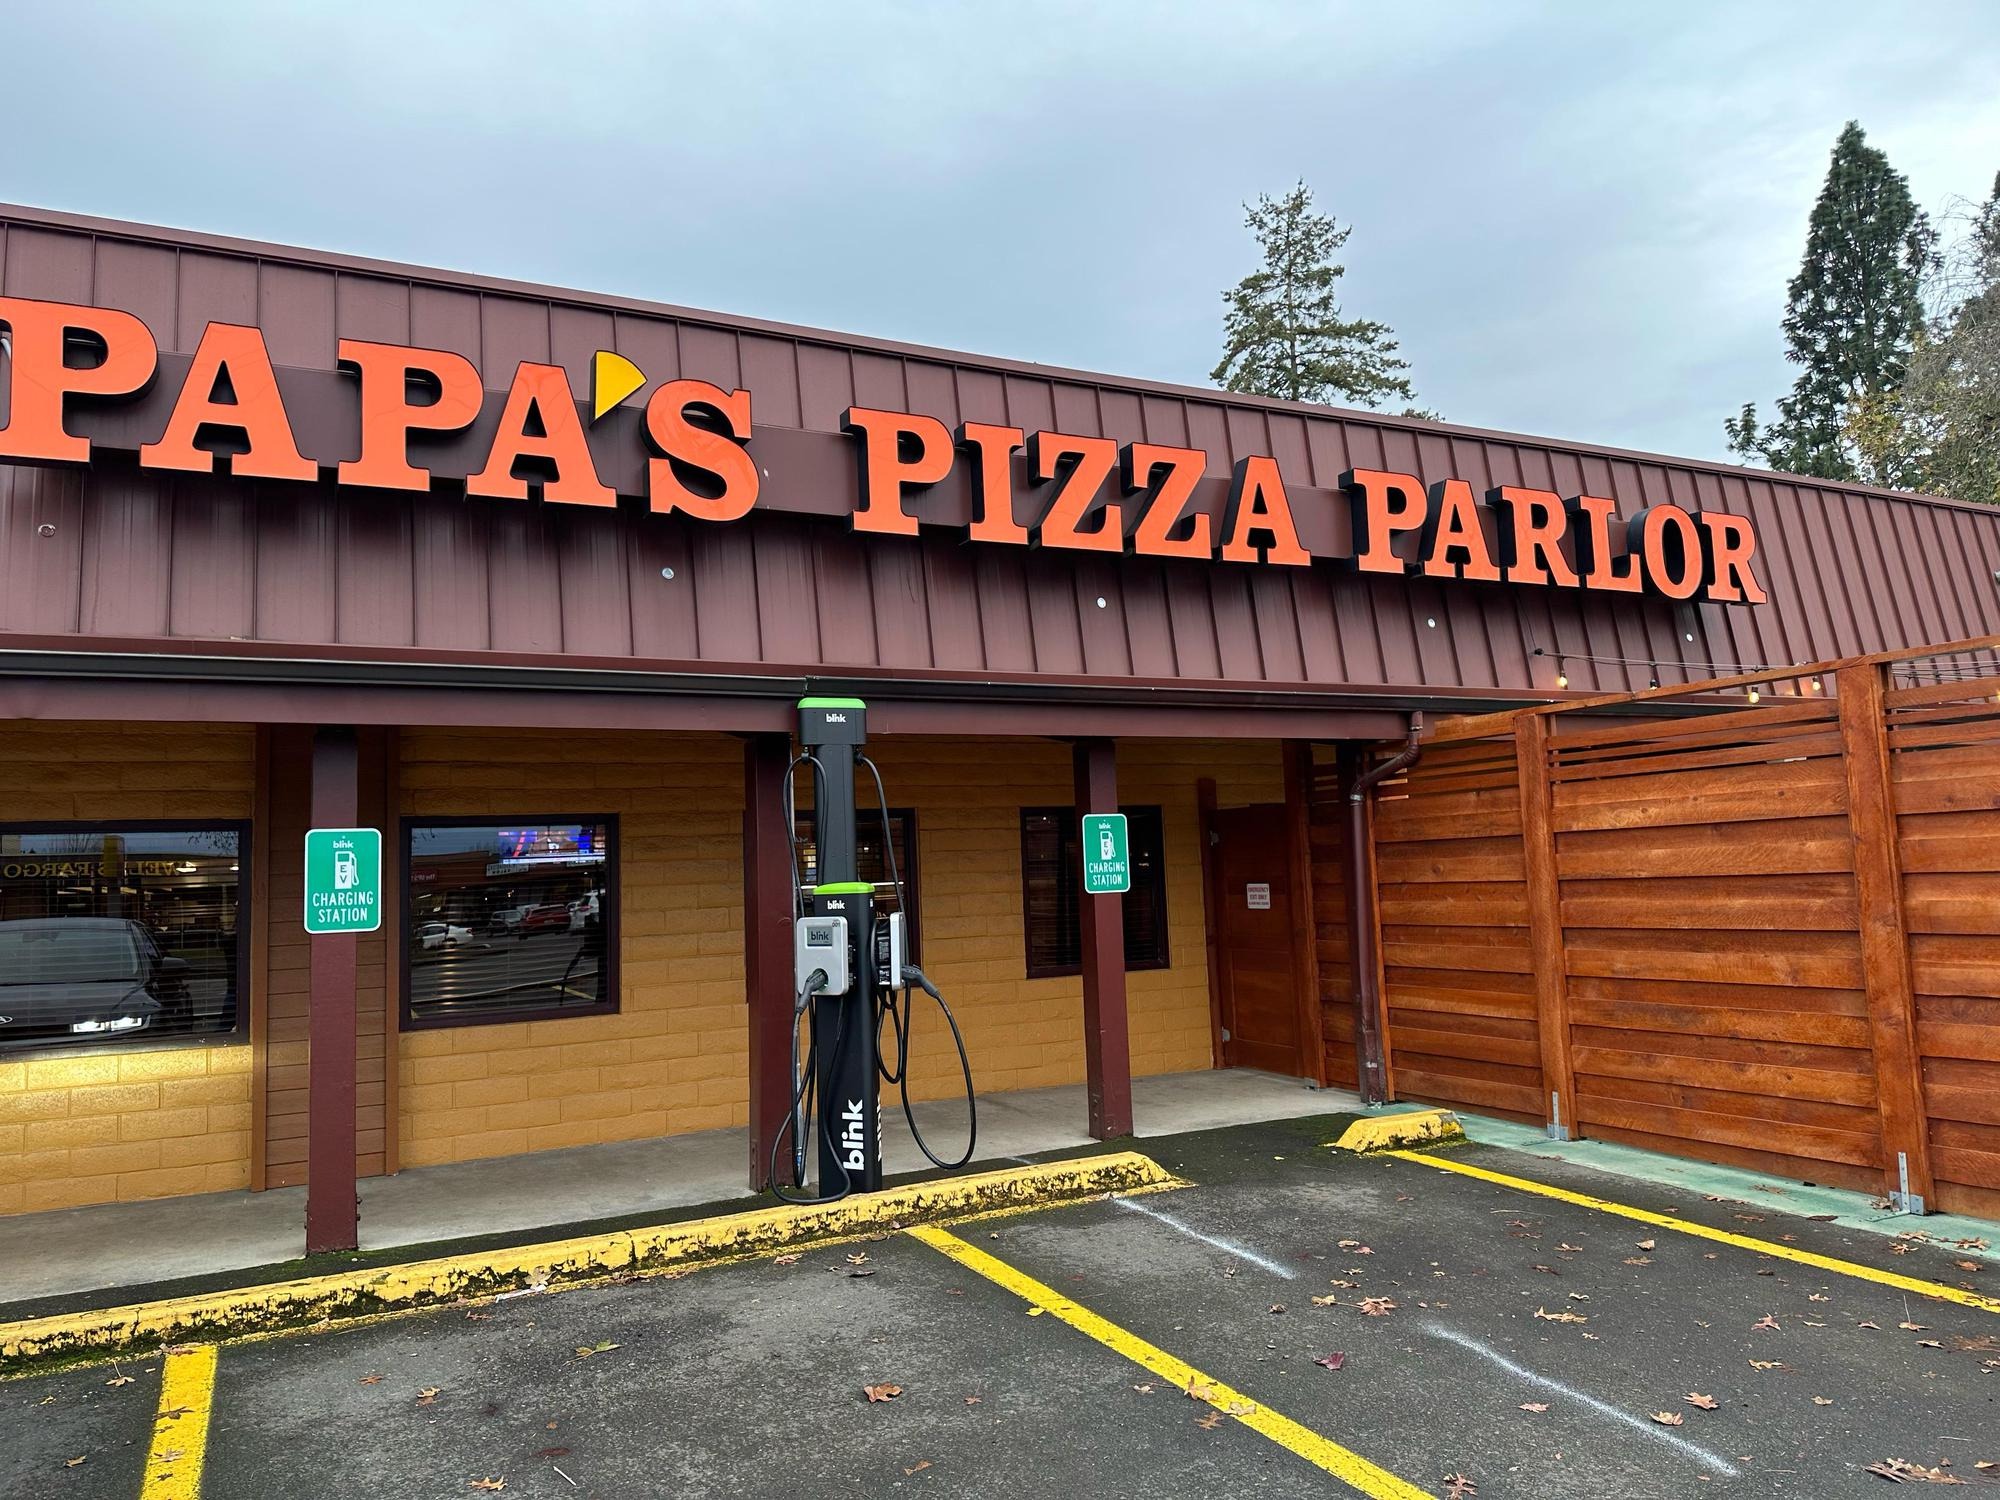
x=1767 y=1323
x=1822 y=1401
x=584 y=1351
x=1198 y=1390
x=1769 y=1364
x=120 y=1380
x=1648 y=1244
x=1902 y=1471
x=1696 y=1398
x=1458 y=1487
x=489 y=1484
x=1212 y=1421
x=1325 y=1301
x=1966 y=1265
x=1914 y=1327
x=918 y=1468
x=478 y=1317
x=1276 y=1308
x=1144 y=1390
x=975 y=1400
x=71 y=1463
x=1669 y=1418
x=1564 y=1316
x=859 y=1258
x=1929 y=1344
x=1336 y=1281
x=370 y=1380
x=1534 y=1406
x=1868 y=1325
x=1548 y=1270
x=429 y=1394
x=1378 y=1307
x=1331 y=1361
x=1241 y=1408
x=1899 y=1249
x=1036 y=1312
x=1818 y=1297
x=784 y=1260
x=1571 y=1249
x=876 y=1393
x=1638 y=1260
x=552 y=1453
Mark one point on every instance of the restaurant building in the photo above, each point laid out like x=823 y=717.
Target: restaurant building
x=532 y=580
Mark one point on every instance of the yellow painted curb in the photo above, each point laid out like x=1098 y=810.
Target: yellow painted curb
x=1394 y=1132
x=628 y=1252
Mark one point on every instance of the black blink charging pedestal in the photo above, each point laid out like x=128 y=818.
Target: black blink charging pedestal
x=831 y=730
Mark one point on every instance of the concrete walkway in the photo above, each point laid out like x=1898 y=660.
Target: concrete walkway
x=120 y=1244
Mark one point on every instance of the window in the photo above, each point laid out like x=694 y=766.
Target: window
x=870 y=863
x=509 y=921
x=1052 y=887
x=116 y=934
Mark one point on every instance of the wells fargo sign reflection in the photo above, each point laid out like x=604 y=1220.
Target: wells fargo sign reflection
x=1073 y=492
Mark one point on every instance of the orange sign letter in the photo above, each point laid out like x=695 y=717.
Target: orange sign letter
x=898 y=451
x=1452 y=524
x=719 y=455
x=1257 y=502
x=1590 y=522
x=231 y=385
x=1669 y=543
x=1531 y=529
x=388 y=417
x=1382 y=504
x=1167 y=500
x=993 y=483
x=38 y=377
x=540 y=424
x=1730 y=545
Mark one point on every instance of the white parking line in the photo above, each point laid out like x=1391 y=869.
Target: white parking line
x=1648 y=1429
x=1241 y=1252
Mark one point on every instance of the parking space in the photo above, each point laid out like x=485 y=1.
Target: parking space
x=1410 y=1329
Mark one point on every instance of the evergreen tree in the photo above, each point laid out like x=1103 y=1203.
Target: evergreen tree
x=1283 y=331
x=1852 y=318
x=1941 y=431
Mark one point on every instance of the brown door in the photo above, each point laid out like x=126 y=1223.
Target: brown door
x=1253 y=906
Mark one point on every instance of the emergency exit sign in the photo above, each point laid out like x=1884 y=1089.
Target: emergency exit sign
x=1107 y=858
x=343 y=880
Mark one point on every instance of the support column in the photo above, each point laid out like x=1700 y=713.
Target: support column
x=332 y=1215
x=1885 y=939
x=1107 y=1047
x=1298 y=756
x=1545 y=929
x=767 y=942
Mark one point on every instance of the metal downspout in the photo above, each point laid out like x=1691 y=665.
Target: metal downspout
x=1373 y=1075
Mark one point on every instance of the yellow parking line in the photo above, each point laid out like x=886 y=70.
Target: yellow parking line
x=1343 y=1463
x=180 y=1431
x=1831 y=1263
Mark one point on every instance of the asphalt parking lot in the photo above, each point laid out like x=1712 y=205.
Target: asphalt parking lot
x=1347 y=1325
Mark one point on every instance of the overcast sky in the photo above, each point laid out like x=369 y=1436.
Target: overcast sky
x=1579 y=218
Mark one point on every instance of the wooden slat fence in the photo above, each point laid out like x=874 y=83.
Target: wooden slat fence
x=1768 y=937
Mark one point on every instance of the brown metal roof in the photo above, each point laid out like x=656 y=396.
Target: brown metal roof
x=137 y=555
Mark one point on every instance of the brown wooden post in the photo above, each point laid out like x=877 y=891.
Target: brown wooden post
x=1211 y=918
x=1107 y=1048
x=1545 y=929
x=392 y=953
x=332 y=1215
x=767 y=944
x=1885 y=939
x=260 y=956
x=1298 y=756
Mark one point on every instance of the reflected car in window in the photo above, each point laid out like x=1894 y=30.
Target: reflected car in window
x=81 y=978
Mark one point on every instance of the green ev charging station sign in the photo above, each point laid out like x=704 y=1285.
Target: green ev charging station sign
x=1107 y=857
x=343 y=880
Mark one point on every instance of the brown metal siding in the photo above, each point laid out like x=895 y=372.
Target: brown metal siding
x=139 y=555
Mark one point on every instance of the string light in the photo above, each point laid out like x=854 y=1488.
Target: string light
x=1753 y=695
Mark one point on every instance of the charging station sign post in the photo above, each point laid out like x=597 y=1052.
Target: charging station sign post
x=1107 y=855
x=343 y=882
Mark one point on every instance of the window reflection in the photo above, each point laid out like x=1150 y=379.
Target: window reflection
x=118 y=934
x=507 y=920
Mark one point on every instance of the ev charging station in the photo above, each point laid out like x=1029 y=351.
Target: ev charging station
x=851 y=972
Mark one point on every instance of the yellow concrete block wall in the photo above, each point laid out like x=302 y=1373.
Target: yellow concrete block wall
x=675 y=1057
x=109 y=1124
x=1028 y=1033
